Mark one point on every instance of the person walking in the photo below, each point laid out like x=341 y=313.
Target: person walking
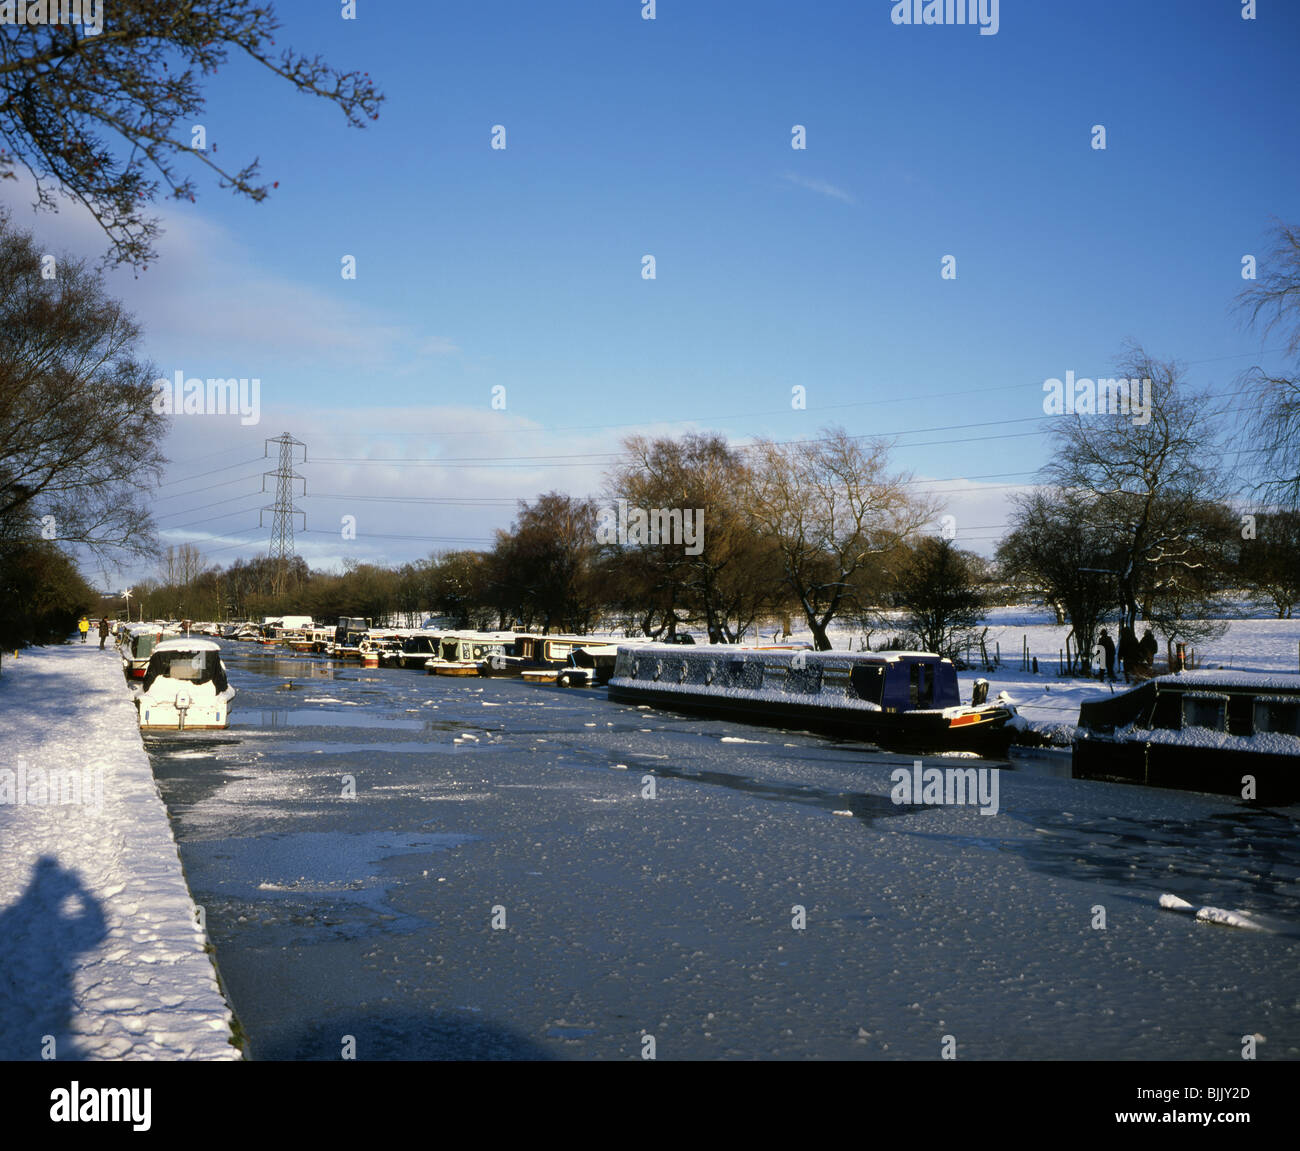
x=1147 y=651
x=83 y=626
x=1108 y=649
x=103 y=633
x=1128 y=650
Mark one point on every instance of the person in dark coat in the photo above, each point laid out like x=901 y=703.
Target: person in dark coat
x=1108 y=649
x=1147 y=651
x=1128 y=650
x=103 y=633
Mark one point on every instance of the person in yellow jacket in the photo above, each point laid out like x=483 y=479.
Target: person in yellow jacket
x=83 y=626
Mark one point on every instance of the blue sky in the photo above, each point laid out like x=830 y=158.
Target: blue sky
x=775 y=267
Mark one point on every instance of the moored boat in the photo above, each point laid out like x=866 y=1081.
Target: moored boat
x=904 y=700
x=136 y=643
x=1230 y=733
x=416 y=649
x=463 y=653
x=311 y=639
x=185 y=688
x=590 y=665
x=537 y=658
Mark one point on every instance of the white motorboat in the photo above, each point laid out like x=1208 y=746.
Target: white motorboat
x=185 y=688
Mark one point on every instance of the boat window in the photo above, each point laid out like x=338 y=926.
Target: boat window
x=192 y=667
x=1203 y=710
x=1280 y=715
x=868 y=681
x=921 y=687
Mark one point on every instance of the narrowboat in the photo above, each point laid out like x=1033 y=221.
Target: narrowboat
x=1229 y=733
x=185 y=688
x=899 y=700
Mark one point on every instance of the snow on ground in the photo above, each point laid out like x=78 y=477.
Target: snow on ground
x=1049 y=701
x=100 y=953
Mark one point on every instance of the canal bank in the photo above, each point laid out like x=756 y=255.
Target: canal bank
x=101 y=954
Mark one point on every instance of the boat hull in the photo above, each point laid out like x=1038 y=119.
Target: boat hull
x=1274 y=779
x=913 y=732
x=161 y=716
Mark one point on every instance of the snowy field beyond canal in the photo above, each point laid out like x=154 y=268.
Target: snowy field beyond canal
x=473 y=869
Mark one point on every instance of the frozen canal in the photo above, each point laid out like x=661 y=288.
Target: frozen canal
x=499 y=887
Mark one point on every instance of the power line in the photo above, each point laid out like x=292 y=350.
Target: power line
x=924 y=397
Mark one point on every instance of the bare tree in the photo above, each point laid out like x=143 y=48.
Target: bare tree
x=543 y=565
x=1062 y=551
x=1273 y=431
x=105 y=117
x=78 y=433
x=1145 y=479
x=1270 y=562
x=829 y=504
x=724 y=577
x=938 y=588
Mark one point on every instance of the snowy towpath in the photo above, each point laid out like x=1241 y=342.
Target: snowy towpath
x=100 y=955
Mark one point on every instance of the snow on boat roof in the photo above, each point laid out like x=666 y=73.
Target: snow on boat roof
x=187 y=645
x=769 y=652
x=1250 y=679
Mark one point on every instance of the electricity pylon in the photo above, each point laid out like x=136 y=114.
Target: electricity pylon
x=283 y=509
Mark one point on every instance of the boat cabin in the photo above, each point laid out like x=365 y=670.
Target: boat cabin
x=350 y=631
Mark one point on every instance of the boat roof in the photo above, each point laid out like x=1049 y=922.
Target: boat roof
x=737 y=651
x=1243 y=682
x=1253 y=680
x=187 y=645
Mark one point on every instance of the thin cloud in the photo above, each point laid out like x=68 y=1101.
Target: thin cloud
x=438 y=346
x=820 y=186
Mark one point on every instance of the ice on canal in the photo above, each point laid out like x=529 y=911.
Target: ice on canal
x=476 y=869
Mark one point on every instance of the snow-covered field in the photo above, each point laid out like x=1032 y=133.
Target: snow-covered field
x=101 y=956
